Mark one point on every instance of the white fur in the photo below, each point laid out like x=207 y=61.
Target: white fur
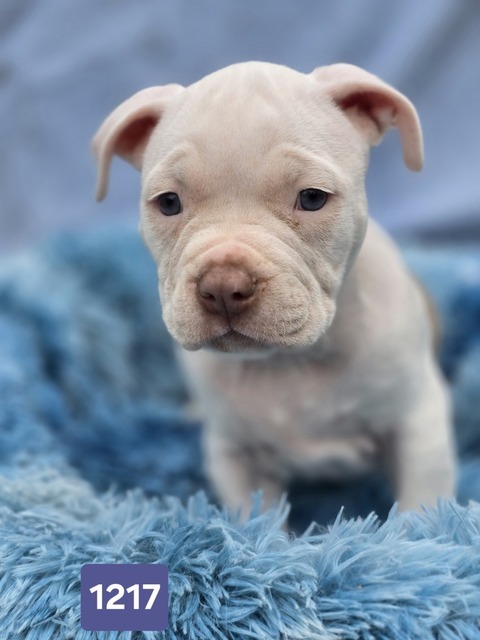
x=329 y=369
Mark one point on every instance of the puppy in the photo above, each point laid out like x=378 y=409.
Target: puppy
x=304 y=337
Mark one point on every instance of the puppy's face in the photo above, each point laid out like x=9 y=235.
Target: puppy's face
x=253 y=206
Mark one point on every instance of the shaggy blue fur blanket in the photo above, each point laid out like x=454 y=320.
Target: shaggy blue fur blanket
x=99 y=463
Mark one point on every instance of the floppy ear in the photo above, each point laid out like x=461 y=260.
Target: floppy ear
x=373 y=107
x=127 y=129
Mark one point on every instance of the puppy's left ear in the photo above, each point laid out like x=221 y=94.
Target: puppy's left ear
x=127 y=130
x=373 y=107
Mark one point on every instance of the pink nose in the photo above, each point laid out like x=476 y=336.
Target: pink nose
x=226 y=290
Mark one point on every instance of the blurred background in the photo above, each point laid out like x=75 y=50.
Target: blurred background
x=65 y=65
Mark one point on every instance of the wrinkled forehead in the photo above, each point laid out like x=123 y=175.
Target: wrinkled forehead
x=246 y=93
x=237 y=116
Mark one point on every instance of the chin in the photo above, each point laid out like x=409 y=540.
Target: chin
x=236 y=342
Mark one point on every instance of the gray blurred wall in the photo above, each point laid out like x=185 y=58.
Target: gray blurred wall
x=64 y=65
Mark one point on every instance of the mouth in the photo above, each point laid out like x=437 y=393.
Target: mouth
x=230 y=339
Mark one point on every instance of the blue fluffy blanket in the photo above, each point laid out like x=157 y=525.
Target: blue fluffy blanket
x=99 y=464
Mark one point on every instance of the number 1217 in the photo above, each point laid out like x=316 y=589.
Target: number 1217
x=118 y=591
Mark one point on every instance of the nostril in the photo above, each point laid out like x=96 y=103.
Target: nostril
x=244 y=288
x=238 y=295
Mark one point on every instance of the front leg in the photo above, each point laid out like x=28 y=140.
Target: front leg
x=234 y=473
x=423 y=452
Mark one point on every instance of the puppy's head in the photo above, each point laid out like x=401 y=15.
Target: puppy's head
x=253 y=203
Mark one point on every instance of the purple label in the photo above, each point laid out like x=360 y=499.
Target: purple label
x=124 y=597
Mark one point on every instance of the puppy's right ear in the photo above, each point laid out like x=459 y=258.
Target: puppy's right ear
x=127 y=130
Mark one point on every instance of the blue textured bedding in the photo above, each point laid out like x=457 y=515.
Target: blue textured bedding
x=99 y=462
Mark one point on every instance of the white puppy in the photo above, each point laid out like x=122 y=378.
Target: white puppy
x=306 y=340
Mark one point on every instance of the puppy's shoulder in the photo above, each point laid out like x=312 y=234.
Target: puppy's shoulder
x=391 y=301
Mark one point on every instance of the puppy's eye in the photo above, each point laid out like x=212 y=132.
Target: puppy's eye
x=169 y=203
x=311 y=199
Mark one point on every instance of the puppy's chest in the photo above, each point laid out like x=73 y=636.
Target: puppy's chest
x=304 y=402
x=303 y=422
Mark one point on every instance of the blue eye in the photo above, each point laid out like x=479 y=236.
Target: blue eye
x=169 y=203
x=311 y=199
